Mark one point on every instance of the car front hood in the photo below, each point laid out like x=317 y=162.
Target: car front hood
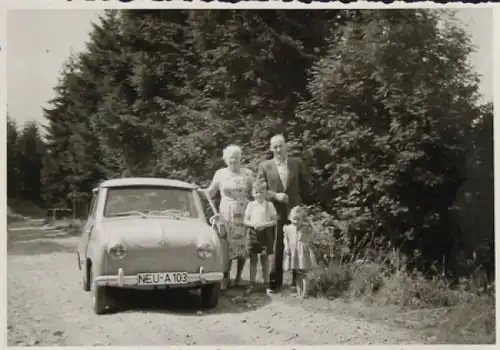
x=152 y=232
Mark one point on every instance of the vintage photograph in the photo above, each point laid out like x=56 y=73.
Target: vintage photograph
x=250 y=177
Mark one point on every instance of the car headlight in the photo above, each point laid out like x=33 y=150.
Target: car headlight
x=117 y=251
x=205 y=251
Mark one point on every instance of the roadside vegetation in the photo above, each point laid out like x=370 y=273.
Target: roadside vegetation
x=383 y=106
x=381 y=282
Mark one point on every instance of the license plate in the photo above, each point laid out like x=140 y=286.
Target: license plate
x=162 y=278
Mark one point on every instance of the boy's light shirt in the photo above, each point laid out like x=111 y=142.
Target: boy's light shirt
x=260 y=213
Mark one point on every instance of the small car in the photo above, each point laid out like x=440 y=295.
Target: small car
x=150 y=233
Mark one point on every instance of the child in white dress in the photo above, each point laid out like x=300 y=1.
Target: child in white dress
x=260 y=220
x=298 y=255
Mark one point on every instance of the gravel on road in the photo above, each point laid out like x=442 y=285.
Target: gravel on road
x=47 y=306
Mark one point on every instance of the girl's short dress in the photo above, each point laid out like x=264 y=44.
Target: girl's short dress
x=300 y=254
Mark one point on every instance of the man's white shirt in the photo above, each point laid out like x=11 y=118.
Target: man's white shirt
x=282 y=171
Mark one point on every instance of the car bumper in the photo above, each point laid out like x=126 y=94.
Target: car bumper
x=131 y=281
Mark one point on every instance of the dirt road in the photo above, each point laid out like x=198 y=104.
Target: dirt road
x=46 y=306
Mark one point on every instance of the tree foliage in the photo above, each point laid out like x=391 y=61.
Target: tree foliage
x=390 y=105
x=13 y=166
x=25 y=151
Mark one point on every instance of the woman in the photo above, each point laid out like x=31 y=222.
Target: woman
x=234 y=183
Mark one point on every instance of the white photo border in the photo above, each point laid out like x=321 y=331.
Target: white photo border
x=6 y=5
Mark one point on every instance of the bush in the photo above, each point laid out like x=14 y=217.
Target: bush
x=379 y=274
x=332 y=281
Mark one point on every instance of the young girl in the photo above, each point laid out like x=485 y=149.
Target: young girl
x=260 y=220
x=298 y=255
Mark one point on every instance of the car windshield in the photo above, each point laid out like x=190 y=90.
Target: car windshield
x=151 y=200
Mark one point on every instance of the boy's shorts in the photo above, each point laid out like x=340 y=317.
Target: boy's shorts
x=260 y=242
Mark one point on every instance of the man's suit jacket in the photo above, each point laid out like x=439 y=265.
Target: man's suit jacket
x=297 y=187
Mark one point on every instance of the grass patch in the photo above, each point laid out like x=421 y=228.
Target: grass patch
x=377 y=280
x=463 y=314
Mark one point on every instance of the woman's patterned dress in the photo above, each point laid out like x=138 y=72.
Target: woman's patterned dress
x=235 y=189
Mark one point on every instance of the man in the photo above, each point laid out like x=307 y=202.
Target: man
x=288 y=185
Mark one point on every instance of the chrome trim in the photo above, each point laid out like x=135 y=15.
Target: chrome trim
x=121 y=277
x=202 y=278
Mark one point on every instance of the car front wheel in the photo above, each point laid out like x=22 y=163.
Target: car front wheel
x=85 y=279
x=210 y=295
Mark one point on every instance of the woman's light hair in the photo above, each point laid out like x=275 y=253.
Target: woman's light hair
x=298 y=210
x=231 y=150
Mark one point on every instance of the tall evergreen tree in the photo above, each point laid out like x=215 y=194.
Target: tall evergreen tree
x=13 y=164
x=57 y=171
x=31 y=151
x=252 y=73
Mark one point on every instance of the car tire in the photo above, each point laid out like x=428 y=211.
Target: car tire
x=86 y=279
x=210 y=295
x=99 y=297
x=85 y=285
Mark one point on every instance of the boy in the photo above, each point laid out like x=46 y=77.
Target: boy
x=260 y=219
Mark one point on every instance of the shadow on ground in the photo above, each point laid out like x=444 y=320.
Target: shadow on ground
x=38 y=247
x=36 y=233
x=188 y=303
x=38 y=241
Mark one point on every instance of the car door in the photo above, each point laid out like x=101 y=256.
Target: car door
x=210 y=211
x=87 y=228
